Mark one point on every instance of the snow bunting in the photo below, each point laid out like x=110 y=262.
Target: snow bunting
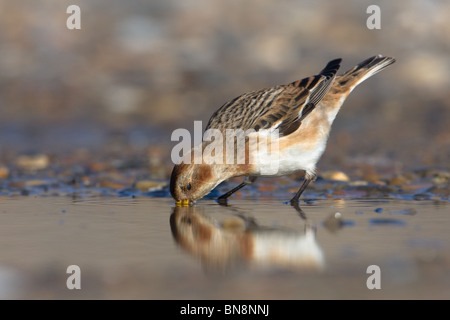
x=301 y=112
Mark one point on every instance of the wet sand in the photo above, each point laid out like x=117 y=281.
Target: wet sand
x=145 y=248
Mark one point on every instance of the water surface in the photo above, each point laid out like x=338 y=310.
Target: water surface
x=145 y=248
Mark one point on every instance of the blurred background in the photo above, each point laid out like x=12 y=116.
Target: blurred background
x=139 y=69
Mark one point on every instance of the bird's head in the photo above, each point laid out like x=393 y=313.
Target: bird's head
x=190 y=182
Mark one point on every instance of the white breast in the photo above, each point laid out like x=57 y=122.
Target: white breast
x=299 y=156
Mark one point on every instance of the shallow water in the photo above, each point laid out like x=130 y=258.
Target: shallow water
x=145 y=248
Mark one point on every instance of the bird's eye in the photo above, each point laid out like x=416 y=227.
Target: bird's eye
x=188 y=187
x=186 y=220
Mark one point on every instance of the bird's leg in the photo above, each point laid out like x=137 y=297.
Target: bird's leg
x=299 y=210
x=223 y=198
x=308 y=179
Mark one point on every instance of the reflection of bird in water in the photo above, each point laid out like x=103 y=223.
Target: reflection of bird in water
x=222 y=245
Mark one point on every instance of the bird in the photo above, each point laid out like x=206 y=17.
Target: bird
x=301 y=113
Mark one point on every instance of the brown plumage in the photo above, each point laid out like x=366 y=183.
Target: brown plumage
x=279 y=106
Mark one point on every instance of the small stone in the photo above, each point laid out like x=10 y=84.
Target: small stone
x=16 y=184
x=4 y=172
x=33 y=163
x=267 y=187
x=86 y=181
x=149 y=185
x=358 y=183
x=334 y=222
x=397 y=181
x=441 y=178
x=335 y=175
x=98 y=166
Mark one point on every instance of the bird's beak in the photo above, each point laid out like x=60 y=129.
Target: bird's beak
x=182 y=203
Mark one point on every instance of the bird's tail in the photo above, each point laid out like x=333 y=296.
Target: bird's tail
x=363 y=70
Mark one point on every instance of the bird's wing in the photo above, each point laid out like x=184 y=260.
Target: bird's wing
x=281 y=107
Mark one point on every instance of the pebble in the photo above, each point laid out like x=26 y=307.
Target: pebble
x=335 y=175
x=397 y=181
x=358 y=183
x=333 y=222
x=34 y=162
x=267 y=187
x=150 y=185
x=99 y=166
x=4 y=172
x=441 y=178
x=16 y=184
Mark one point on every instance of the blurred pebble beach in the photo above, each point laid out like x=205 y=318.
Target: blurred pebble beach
x=96 y=106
